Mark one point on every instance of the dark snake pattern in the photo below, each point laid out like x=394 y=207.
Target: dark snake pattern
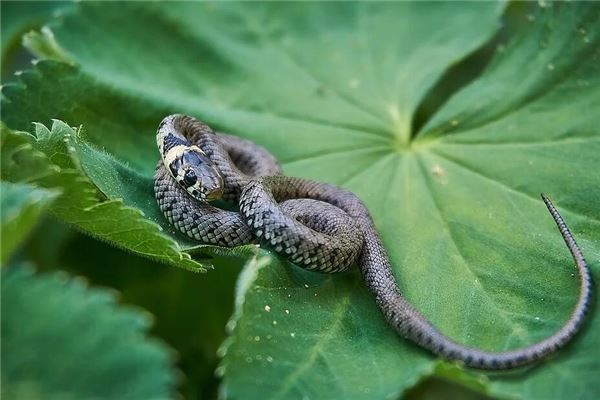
x=322 y=227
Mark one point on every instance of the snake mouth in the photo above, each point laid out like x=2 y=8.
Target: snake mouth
x=214 y=194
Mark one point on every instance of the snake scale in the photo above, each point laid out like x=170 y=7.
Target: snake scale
x=315 y=225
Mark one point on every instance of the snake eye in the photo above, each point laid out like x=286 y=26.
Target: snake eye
x=190 y=177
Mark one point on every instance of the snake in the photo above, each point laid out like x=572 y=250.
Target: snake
x=315 y=225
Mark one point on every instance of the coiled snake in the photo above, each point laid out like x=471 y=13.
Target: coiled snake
x=315 y=225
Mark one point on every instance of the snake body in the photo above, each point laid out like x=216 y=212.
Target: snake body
x=315 y=225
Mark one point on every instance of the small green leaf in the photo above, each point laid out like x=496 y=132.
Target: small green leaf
x=21 y=206
x=43 y=45
x=25 y=159
x=61 y=340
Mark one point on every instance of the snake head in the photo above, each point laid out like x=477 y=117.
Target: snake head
x=195 y=172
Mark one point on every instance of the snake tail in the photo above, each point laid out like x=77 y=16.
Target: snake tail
x=411 y=324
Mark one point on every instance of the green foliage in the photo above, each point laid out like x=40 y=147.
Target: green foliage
x=302 y=334
x=17 y=17
x=61 y=340
x=332 y=90
x=21 y=207
x=190 y=310
x=52 y=159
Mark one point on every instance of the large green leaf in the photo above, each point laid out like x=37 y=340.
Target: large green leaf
x=61 y=340
x=331 y=90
